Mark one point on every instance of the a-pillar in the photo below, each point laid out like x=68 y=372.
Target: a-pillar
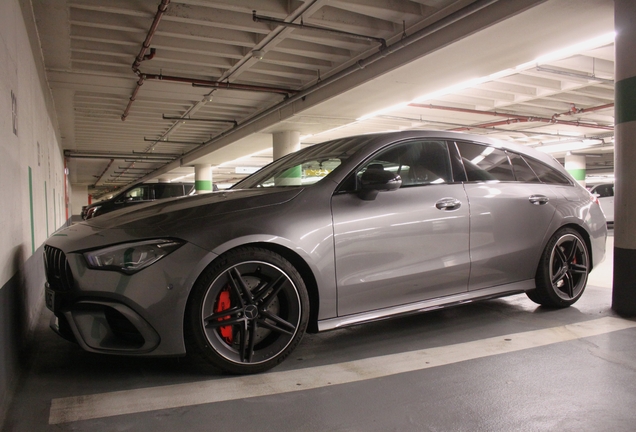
x=285 y=143
x=624 y=291
x=575 y=165
x=203 y=178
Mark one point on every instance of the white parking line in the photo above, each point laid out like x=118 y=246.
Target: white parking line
x=86 y=407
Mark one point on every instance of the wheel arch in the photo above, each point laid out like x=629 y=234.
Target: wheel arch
x=301 y=266
x=308 y=277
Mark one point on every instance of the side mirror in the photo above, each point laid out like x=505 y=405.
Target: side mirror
x=375 y=180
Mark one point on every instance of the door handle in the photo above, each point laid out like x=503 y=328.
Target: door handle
x=448 y=204
x=538 y=199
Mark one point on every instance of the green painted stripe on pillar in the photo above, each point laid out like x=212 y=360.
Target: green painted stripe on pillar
x=54 y=212
x=293 y=172
x=203 y=185
x=31 y=208
x=625 y=100
x=578 y=174
x=46 y=209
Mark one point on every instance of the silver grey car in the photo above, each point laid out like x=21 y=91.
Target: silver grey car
x=345 y=232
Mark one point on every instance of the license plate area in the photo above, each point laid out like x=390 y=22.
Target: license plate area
x=50 y=299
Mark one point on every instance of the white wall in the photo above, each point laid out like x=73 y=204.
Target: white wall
x=32 y=198
x=79 y=198
x=34 y=153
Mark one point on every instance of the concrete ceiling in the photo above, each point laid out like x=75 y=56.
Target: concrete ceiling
x=478 y=66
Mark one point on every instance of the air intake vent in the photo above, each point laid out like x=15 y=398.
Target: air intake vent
x=58 y=272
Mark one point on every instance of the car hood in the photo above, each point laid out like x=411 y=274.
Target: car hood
x=193 y=207
x=160 y=218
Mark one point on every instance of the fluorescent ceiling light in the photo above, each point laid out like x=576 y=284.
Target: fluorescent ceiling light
x=181 y=178
x=578 y=48
x=383 y=111
x=232 y=162
x=571 y=146
x=587 y=45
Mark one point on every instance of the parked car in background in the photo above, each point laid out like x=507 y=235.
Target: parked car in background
x=353 y=230
x=137 y=194
x=605 y=194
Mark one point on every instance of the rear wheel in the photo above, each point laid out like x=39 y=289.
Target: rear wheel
x=248 y=311
x=563 y=270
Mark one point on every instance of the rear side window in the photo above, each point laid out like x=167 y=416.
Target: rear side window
x=523 y=172
x=604 y=190
x=167 y=190
x=483 y=163
x=546 y=173
x=140 y=193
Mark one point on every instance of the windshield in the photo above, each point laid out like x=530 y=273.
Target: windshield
x=305 y=167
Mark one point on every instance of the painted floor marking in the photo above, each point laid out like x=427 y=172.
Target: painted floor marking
x=94 y=406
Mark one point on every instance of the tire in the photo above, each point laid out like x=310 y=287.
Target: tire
x=247 y=312
x=563 y=270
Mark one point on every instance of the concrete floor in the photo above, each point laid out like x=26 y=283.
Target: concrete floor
x=499 y=365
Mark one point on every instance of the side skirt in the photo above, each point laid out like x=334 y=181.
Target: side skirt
x=426 y=305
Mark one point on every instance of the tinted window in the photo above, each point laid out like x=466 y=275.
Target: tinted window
x=547 y=174
x=604 y=190
x=417 y=162
x=523 y=172
x=483 y=163
x=167 y=190
x=140 y=193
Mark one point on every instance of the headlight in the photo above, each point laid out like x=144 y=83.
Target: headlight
x=129 y=258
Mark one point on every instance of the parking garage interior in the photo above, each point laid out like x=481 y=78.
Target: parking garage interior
x=102 y=95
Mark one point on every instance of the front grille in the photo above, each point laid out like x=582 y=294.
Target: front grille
x=58 y=272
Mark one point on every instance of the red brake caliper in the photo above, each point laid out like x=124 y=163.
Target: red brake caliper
x=223 y=303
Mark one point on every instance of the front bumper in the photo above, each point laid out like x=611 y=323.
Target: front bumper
x=138 y=314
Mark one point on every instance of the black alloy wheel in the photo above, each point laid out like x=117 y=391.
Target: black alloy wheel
x=248 y=311
x=563 y=270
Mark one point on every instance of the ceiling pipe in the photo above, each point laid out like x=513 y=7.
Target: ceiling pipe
x=165 y=117
x=575 y=75
x=163 y=141
x=522 y=118
x=360 y=64
x=574 y=110
x=163 y=6
x=161 y=9
x=161 y=157
x=226 y=85
x=105 y=169
x=280 y=22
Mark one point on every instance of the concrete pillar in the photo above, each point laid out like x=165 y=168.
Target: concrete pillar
x=203 y=178
x=285 y=143
x=575 y=165
x=624 y=290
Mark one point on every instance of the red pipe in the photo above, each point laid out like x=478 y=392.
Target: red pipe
x=491 y=124
x=161 y=9
x=207 y=83
x=574 y=110
x=104 y=172
x=521 y=118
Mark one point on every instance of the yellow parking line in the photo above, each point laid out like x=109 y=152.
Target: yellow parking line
x=86 y=407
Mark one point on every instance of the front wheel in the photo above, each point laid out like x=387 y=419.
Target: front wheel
x=563 y=270
x=248 y=311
